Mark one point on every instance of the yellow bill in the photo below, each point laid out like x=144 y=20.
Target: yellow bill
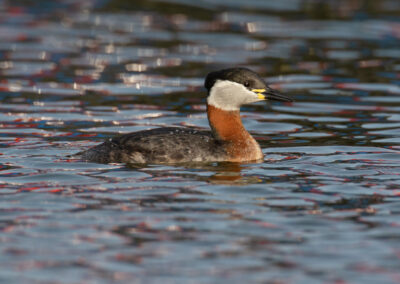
x=259 y=93
x=258 y=90
x=271 y=94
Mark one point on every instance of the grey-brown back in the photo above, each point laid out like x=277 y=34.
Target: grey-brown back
x=160 y=145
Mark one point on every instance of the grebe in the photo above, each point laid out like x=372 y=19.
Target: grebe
x=228 y=89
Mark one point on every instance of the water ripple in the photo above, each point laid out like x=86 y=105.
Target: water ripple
x=321 y=208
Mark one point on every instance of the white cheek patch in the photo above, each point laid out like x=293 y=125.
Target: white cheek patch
x=228 y=95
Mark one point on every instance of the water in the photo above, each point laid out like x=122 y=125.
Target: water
x=322 y=208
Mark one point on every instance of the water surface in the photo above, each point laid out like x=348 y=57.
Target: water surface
x=322 y=208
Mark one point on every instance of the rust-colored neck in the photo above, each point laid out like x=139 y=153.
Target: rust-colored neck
x=227 y=126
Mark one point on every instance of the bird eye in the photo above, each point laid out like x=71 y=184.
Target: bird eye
x=246 y=84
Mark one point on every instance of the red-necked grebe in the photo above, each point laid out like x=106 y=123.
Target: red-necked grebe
x=228 y=89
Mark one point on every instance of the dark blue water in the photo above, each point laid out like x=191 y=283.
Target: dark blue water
x=324 y=206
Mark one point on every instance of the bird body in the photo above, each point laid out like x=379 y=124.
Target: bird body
x=229 y=141
x=157 y=146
